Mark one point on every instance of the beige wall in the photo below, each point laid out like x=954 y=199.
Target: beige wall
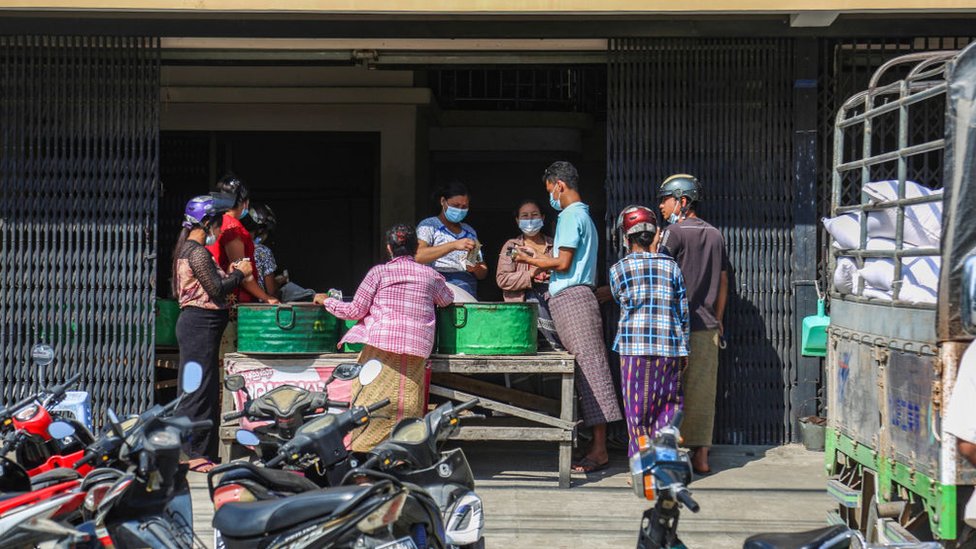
x=498 y=6
x=332 y=99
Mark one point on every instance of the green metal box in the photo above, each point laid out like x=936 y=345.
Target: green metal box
x=294 y=328
x=488 y=329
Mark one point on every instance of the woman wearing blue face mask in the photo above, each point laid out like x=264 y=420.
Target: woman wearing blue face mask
x=522 y=282
x=445 y=242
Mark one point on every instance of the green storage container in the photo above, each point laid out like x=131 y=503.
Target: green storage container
x=350 y=347
x=488 y=329
x=293 y=328
x=167 y=313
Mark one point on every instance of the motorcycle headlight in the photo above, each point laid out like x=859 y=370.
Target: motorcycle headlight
x=385 y=514
x=164 y=439
x=27 y=413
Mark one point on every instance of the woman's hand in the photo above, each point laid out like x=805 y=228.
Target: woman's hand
x=464 y=244
x=319 y=299
x=479 y=270
x=540 y=275
x=244 y=266
x=273 y=301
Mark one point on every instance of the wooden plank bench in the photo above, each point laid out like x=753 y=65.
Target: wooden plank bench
x=550 y=420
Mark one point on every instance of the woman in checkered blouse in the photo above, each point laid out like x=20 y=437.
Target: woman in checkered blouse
x=395 y=306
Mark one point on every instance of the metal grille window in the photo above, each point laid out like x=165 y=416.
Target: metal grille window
x=78 y=190
x=563 y=89
x=721 y=110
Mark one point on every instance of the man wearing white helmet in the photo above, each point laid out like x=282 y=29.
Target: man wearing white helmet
x=700 y=251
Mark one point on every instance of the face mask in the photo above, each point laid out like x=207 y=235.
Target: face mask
x=257 y=239
x=530 y=227
x=244 y=213
x=211 y=238
x=554 y=202
x=675 y=217
x=455 y=215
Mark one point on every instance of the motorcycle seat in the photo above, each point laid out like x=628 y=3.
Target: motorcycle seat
x=811 y=539
x=254 y=519
x=275 y=480
x=54 y=476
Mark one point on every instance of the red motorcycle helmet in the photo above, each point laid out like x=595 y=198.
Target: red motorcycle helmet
x=635 y=219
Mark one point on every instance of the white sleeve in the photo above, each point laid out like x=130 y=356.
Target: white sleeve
x=425 y=231
x=960 y=416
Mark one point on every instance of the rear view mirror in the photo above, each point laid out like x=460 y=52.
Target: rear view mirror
x=968 y=298
x=347 y=371
x=192 y=377
x=369 y=372
x=60 y=429
x=234 y=382
x=247 y=438
x=42 y=354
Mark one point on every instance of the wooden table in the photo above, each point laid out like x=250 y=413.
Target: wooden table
x=537 y=418
x=547 y=419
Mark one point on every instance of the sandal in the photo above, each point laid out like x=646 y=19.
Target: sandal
x=587 y=466
x=201 y=465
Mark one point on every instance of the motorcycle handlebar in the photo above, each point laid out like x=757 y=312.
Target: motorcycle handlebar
x=376 y=406
x=85 y=460
x=202 y=424
x=466 y=405
x=275 y=460
x=234 y=415
x=336 y=404
x=58 y=389
x=684 y=496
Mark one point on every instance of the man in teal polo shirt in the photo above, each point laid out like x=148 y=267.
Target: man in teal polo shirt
x=574 y=307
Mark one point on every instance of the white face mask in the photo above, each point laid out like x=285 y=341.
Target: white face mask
x=530 y=227
x=211 y=238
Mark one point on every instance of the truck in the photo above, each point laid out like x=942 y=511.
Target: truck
x=902 y=239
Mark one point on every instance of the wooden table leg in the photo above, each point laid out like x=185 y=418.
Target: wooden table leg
x=567 y=413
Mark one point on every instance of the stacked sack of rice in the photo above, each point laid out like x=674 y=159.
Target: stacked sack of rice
x=923 y=229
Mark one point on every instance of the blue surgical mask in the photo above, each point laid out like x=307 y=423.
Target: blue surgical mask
x=244 y=213
x=211 y=238
x=530 y=227
x=455 y=215
x=554 y=202
x=675 y=216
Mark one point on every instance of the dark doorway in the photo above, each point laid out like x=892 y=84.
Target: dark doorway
x=321 y=186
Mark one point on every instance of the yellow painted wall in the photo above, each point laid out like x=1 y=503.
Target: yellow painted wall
x=500 y=6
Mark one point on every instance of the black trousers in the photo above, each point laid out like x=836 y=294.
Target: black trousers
x=198 y=332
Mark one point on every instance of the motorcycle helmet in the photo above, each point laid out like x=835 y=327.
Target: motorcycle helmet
x=263 y=217
x=636 y=219
x=200 y=210
x=679 y=185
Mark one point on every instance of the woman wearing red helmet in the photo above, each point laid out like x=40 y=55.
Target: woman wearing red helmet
x=652 y=337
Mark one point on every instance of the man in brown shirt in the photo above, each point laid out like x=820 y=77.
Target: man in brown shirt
x=700 y=251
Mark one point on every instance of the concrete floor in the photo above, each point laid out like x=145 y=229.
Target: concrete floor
x=754 y=489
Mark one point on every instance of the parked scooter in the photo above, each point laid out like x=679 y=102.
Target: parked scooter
x=26 y=423
x=830 y=537
x=412 y=455
x=142 y=499
x=345 y=516
x=286 y=407
x=661 y=472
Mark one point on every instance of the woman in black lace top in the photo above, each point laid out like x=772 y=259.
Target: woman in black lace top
x=202 y=289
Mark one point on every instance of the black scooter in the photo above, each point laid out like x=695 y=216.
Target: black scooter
x=412 y=455
x=140 y=496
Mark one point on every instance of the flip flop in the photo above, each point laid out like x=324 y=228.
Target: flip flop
x=587 y=466
x=702 y=472
x=201 y=465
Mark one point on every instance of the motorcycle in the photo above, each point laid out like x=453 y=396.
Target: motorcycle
x=830 y=537
x=34 y=517
x=660 y=472
x=412 y=455
x=286 y=408
x=27 y=421
x=139 y=497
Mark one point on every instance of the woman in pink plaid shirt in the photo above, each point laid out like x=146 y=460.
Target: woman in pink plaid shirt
x=395 y=307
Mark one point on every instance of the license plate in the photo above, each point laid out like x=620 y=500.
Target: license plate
x=402 y=543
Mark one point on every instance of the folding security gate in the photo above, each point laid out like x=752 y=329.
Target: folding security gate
x=722 y=110
x=78 y=192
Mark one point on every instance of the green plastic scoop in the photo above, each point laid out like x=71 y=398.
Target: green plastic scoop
x=814 y=341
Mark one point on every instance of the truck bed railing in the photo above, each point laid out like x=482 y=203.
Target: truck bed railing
x=924 y=82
